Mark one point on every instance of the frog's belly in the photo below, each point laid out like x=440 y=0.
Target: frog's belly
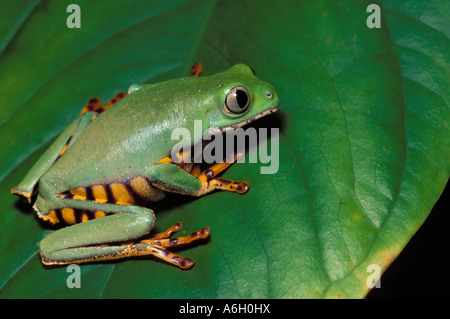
x=133 y=191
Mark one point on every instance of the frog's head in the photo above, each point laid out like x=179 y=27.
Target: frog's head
x=240 y=98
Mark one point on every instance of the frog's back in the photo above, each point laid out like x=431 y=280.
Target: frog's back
x=122 y=142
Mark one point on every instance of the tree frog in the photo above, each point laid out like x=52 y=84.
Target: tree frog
x=103 y=172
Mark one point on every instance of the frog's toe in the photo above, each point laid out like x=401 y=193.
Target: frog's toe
x=196 y=69
x=167 y=233
x=174 y=259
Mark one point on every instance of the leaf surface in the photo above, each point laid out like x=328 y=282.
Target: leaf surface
x=363 y=140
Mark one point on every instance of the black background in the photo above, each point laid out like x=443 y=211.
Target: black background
x=422 y=269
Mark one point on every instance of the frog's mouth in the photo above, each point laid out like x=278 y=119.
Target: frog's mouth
x=221 y=129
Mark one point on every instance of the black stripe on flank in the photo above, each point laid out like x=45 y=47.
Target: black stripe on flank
x=84 y=212
x=137 y=198
x=89 y=214
x=89 y=193
x=78 y=213
x=109 y=195
x=58 y=215
x=68 y=195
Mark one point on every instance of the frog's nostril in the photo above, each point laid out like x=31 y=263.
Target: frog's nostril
x=269 y=95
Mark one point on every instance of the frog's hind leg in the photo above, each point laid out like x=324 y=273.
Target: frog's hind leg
x=196 y=69
x=114 y=232
x=96 y=239
x=91 y=106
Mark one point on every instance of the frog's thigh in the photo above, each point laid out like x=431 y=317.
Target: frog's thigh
x=60 y=145
x=76 y=243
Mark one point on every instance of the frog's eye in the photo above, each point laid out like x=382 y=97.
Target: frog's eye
x=237 y=100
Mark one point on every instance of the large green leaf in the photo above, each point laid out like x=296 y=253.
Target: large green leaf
x=364 y=138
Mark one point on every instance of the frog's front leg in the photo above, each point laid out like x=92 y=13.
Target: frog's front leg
x=27 y=187
x=173 y=177
x=107 y=236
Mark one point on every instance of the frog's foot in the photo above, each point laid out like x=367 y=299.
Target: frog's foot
x=94 y=104
x=91 y=106
x=196 y=69
x=210 y=181
x=156 y=245
x=169 y=231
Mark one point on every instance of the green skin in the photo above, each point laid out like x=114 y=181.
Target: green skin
x=126 y=141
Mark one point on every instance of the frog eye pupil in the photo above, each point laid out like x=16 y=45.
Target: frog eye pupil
x=241 y=98
x=237 y=100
